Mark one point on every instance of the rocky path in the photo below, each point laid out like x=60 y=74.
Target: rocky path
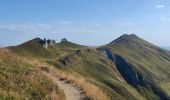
x=72 y=92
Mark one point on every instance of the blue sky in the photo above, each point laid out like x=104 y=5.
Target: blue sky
x=88 y=22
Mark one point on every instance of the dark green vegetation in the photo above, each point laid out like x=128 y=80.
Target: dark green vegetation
x=127 y=68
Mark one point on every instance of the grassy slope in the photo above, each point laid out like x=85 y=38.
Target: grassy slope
x=103 y=73
x=89 y=64
x=19 y=80
x=33 y=48
x=151 y=61
x=146 y=58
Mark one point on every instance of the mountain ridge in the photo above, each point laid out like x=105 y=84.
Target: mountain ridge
x=126 y=68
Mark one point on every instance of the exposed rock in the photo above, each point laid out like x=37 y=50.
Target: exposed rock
x=70 y=82
x=45 y=44
x=63 y=79
x=131 y=76
x=107 y=54
x=51 y=42
x=86 y=98
x=68 y=60
x=45 y=69
x=48 y=42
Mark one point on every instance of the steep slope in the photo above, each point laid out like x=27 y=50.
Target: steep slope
x=142 y=64
x=20 y=81
x=98 y=70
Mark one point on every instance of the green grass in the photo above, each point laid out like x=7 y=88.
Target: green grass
x=149 y=60
x=34 y=48
x=152 y=62
x=101 y=72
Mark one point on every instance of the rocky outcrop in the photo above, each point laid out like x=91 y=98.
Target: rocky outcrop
x=68 y=60
x=107 y=54
x=132 y=76
x=48 y=42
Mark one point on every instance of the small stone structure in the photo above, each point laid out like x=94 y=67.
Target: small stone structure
x=48 y=42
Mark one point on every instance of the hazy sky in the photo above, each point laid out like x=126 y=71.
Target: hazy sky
x=88 y=22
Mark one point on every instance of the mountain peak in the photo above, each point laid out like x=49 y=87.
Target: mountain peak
x=127 y=38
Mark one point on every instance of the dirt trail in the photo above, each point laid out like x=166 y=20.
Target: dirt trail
x=71 y=91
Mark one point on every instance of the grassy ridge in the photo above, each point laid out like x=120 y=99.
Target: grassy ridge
x=34 y=48
x=89 y=64
x=149 y=61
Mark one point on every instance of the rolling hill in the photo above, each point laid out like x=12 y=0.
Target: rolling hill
x=127 y=68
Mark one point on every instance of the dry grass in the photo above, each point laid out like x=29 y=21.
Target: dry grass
x=90 y=89
x=20 y=80
x=166 y=87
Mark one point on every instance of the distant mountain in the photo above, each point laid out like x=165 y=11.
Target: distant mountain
x=126 y=68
